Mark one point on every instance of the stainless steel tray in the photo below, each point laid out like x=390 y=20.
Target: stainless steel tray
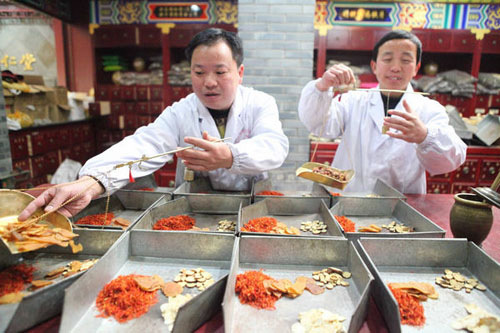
x=380 y=190
x=286 y=257
x=203 y=210
x=299 y=191
x=47 y=302
x=150 y=183
x=366 y=211
x=130 y=205
x=225 y=201
x=146 y=252
x=402 y=260
x=292 y=213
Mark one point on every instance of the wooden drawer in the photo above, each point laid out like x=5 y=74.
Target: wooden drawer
x=143 y=108
x=64 y=137
x=461 y=188
x=361 y=39
x=165 y=178
x=21 y=165
x=495 y=101
x=491 y=43
x=130 y=121
x=155 y=108
x=438 y=187
x=37 y=143
x=18 y=146
x=127 y=93
x=87 y=133
x=142 y=93
x=445 y=176
x=150 y=36
x=115 y=93
x=463 y=41
x=51 y=162
x=129 y=107
x=95 y=109
x=38 y=166
x=117 y=108
x=440 y=41
x=467 y=172
x=180 y=38
x=489 y=170
x=76 y=153
x=143 y=120
x=102 y=93
x=337 y=39
x=156 y=92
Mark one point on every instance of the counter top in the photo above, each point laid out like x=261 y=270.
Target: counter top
x=436 y=207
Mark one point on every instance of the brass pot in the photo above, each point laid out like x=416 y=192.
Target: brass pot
x=470 y=217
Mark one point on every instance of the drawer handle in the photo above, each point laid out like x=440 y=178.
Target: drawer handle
x=491 y=171
x=440 y=40
x=464 y=41
x=466 y=170
x=437 y=191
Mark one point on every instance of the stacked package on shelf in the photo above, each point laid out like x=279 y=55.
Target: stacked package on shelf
x=113 y=63
x=180 y=74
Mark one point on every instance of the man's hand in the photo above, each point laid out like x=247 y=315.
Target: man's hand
x=215 y=155
x=336 y=76
x=411 y=128
x=53 y=197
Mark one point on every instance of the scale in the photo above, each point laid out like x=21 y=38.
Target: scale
x=13 y=202
x=307 y=170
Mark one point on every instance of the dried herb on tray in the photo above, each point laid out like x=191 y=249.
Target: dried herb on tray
x=13 y=279
x=270 y=193
x=410 y=310
x=346 y=224
x=123 y=299
x=97 y=219
x=178 y=222
x=260 y=224
x=251 y=289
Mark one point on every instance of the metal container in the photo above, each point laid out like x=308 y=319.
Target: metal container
x=299 y=191
x=203 y=209
x=287 y=257
x=380 y=190
x=422 y=260
x=488 y=129
x=225 y=201
x=291 y=212
x=148 y=253
x=148 y=183
x=379 y=211
x=130 y=205
x=47 y=302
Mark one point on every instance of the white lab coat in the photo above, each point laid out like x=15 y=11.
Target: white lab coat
x=375 y=155
x=257 y=142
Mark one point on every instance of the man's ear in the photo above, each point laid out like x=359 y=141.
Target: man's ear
x=240 y=72
x=417 y=68
x=373 y=66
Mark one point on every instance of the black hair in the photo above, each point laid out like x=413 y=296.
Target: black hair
x=213 y=35
x=398 y=34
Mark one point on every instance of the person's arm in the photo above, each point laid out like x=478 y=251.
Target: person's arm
x=316 y=100
x=82 y=190
x=442 y=150
x=156 y=138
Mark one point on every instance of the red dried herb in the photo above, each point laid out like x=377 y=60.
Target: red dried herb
x=13 y=278
x=97 y=219
x=178 y=222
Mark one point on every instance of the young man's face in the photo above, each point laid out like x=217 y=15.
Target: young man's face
x=215 y=75
x=396 y=64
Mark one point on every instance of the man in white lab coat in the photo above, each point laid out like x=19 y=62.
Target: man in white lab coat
x=220 y=107
x=418 y=136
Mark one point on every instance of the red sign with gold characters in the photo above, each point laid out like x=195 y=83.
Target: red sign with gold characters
x=178 y=11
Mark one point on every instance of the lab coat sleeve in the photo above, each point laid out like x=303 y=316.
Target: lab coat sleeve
x=156 y=138
x=321 y=114
x=267 y=145
x=442 y=150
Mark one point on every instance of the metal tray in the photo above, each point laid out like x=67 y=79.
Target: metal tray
x=299 y=191
x=286 y=257
x=146 y=252
x=47 y=302
x=225 y=201
x=130 y=205
x=150 y=183
x=402 y=260
x=366 y=211
x=292 y=213
x=380 y=190
x=203 y=210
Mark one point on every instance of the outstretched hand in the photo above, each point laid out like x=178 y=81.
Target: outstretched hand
x=410 y=127
x=336 y=76
x=214 y=155
x=85 y=189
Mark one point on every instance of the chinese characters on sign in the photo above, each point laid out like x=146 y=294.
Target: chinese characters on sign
x=160 y=12
x=27 y=60
x=362 y=14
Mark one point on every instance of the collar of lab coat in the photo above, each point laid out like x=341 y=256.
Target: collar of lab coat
x=207 y=123
x=377 y=108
